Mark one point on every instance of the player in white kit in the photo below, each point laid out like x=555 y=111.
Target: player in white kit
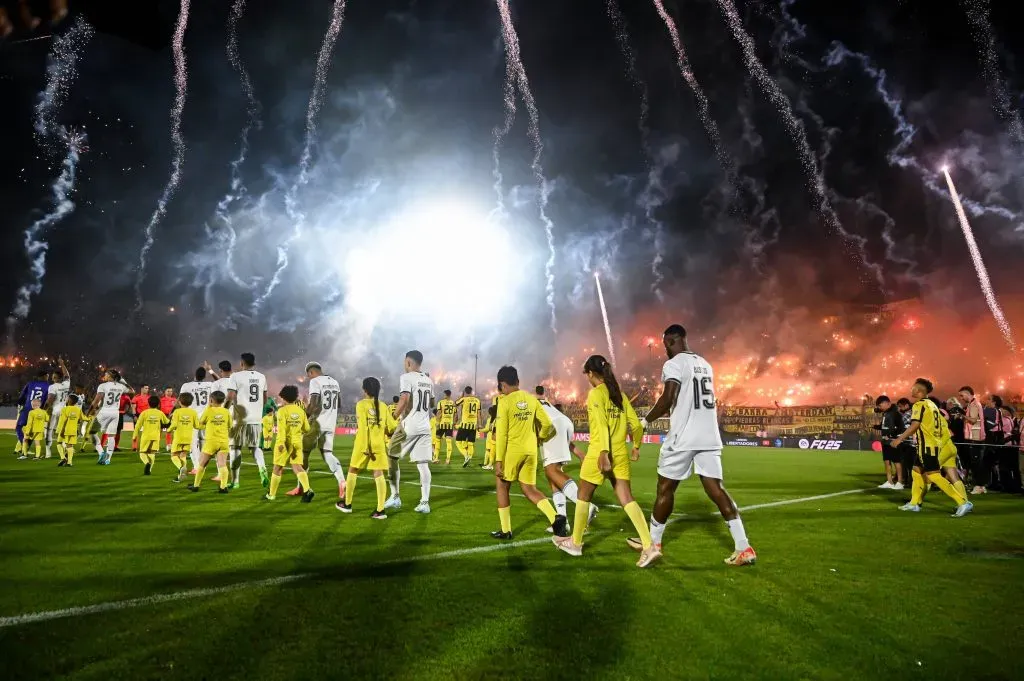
x=322 y=412
x=413 y=436
x=251 y=390
x=200 y=389
x=225 y=383
x=557 y=452
x=106 y=407
x=56 y=400
x=693 y=443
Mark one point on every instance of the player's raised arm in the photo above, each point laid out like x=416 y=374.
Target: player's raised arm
x=63 y=369
x=210 y=371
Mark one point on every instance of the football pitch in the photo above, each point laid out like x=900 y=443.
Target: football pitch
x=112 y=575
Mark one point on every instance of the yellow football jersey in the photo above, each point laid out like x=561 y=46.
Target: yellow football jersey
x=36 y=424
x=149 y=423
x=216 y=423
x=70 y=418
x=519 y=414
x=934 y=431
x=183 y=422
x=470 y=411
x=370 y=432
x=609 y=425
x=446 y=413
x=291 y=424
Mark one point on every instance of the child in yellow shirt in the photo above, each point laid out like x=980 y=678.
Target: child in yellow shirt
x=292 y=424
x=35 y=428
x=373 y=421
x=184 y=420
x=67 y=430
x=216 y=426
x=149 y=424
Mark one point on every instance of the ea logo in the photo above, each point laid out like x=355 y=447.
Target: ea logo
x=803 y=444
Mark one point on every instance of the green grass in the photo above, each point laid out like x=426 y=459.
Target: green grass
x=845 y=587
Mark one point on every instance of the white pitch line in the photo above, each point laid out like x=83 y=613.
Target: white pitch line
x=47 y=615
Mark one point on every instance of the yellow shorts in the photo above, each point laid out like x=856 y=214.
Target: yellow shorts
x=521 y=467
x=285 y=455
x=931 y=460
x=149 y=444
x=361 y=461
x=181 y=446
x=215 y=446
x=71 y=439
x=591 y=472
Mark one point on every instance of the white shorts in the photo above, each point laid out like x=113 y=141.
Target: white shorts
x=325 y=443
x=419 y=448
x=107 y=423
x=553 y=458
x=681 y=465
x=51 y=429
x=249 y=436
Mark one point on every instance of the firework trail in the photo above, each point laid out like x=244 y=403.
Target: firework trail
x=513 y=58
x=905 y=131
x=501 y=132
x=35 y=245
x=978 y=15
x=604 y=316
x=316 y=102
x=253 y=122
x=60 y=73
x=703 y=110
x=181 y=83
x=979 y=265
x=815 y=176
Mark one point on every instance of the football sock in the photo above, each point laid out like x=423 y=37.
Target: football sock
x=960 y=489
x=580 y=521
x=558 y=499
x=946 y=487
x=350 y=487
x=304 y=481
x=917 y=490
x=425 y=478
x=261 y=463
x=38 y=448
x=448 y=444
x=571 y=490
x=143 y=458
x=225 y=475
x=111 y=443
x=200 y=472
x=657 y=531
x=505 y=517
x=275 y=482
x=381 y=493
x=69 y=453
x=177 y=461
x=47 y=449
x=547 y=509
x=739 y=534
x=396 y=475
x=632 y=509
x=17 y=447
x=194 y=456
x=334 y=466
x=151 y=460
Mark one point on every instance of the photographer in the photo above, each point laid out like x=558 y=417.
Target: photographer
x=890 y=428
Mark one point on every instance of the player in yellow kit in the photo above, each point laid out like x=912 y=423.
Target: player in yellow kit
x=445 y=425
x=148 y=424
x=520 y=417
x=35 y=428
x=67 y=430
x=216 y=426
x=373 y=420
x=611 y=419
x=269 y=425
x=935 y=451
x=435 y=443
x=489 y=428
x=184 y=420
x=292 y=424
x=469 y=421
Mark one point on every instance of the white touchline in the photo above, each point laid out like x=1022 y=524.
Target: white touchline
x=46 y=615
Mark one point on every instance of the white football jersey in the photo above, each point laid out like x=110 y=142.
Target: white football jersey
x=694 y=418
x=330 y=395
x=111 y=397
x=200 y=391
x=224 y=384
x=252 y=386
x=60 y=392
x=421 y=395
x=557 y=448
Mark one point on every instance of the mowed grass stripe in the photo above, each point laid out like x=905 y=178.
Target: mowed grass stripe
x=30 y=618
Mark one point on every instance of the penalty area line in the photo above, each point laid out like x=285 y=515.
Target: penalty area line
x=113 y=606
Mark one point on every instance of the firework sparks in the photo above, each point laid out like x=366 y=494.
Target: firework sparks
x=978 y=15
x=316 y=101
x=181 y=84
x=604 y=317
x=61 y=70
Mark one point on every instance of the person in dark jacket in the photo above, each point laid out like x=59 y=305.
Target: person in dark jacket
x=890 y=428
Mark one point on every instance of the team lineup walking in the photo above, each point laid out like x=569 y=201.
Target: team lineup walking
x=225 y=416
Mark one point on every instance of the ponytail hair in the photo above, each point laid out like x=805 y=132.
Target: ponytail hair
x=596 y=364
x=371 y=386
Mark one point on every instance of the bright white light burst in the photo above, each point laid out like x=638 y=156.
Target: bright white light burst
x=440 y=263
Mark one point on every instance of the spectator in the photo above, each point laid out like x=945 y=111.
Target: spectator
x=908 y=450
x=995 y=438
x=974 y=439
x=956 y=421
x=890 y=428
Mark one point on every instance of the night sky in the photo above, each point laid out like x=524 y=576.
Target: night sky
x=413 y=95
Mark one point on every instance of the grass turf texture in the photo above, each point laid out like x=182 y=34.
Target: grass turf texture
x=845 y=587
